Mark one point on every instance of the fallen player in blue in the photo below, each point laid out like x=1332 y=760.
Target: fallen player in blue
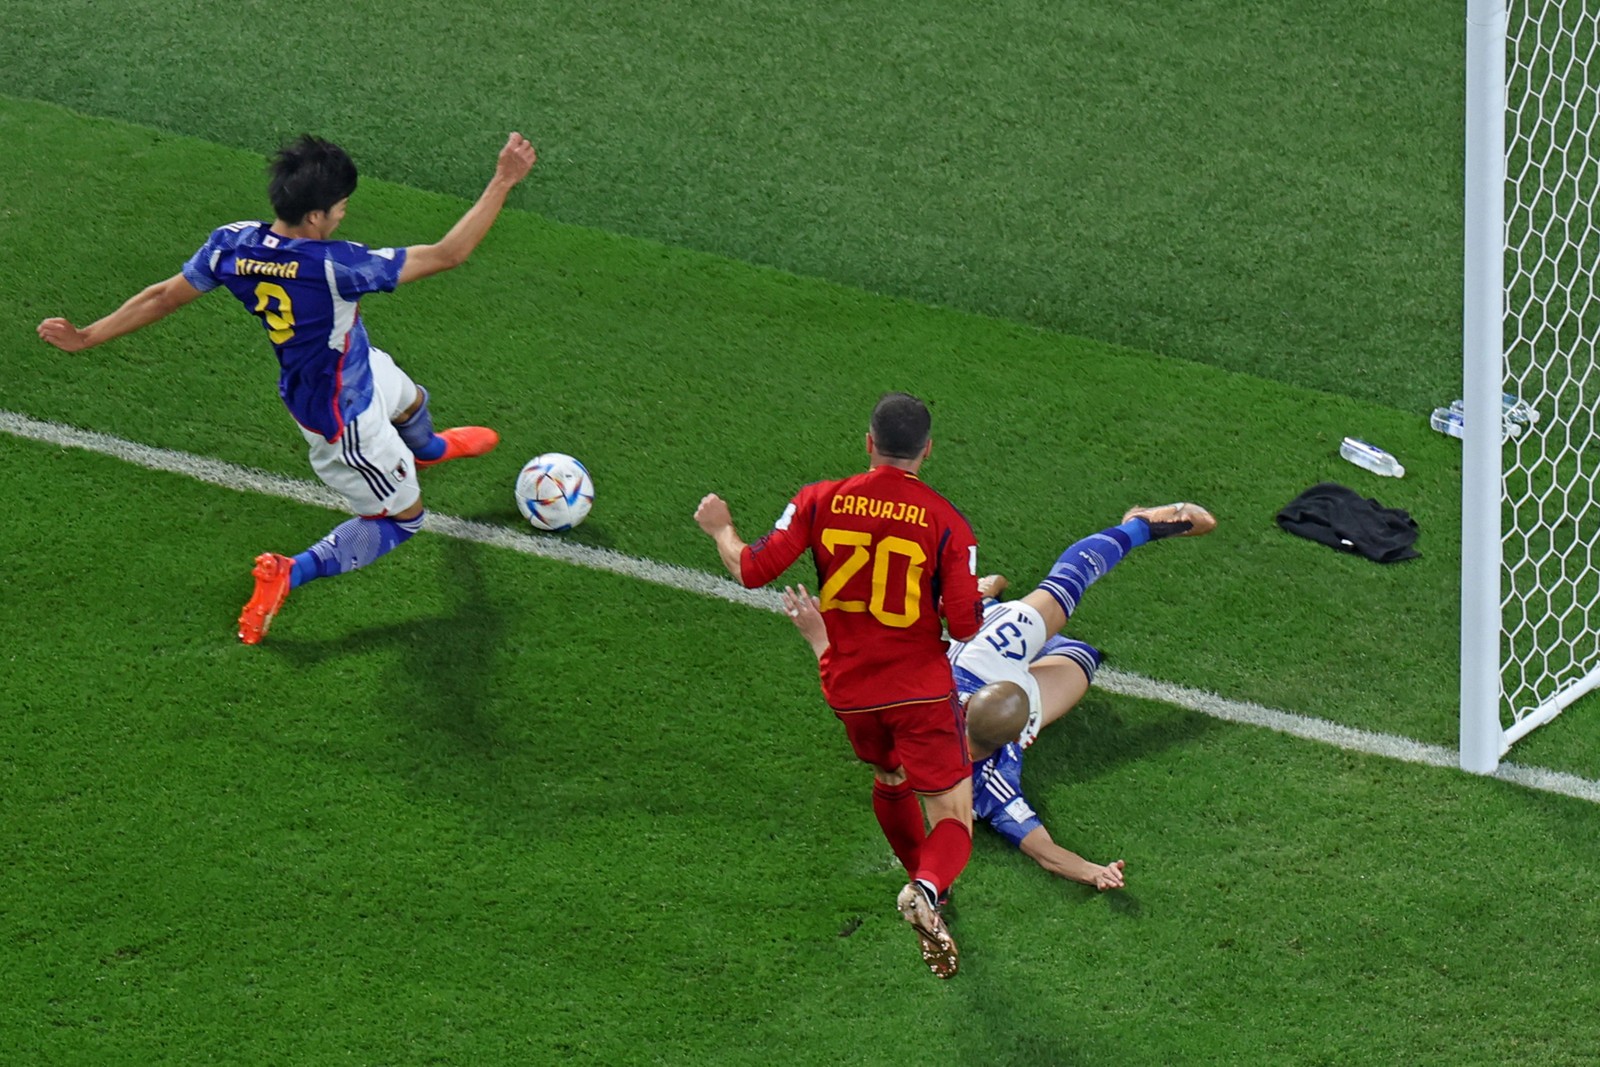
x=1019 y=675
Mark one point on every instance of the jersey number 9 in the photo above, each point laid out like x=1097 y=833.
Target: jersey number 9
x=279 y=318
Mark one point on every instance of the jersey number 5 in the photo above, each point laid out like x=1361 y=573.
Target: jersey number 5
x=279 y=318
x=1001 y=640
x=887 y=553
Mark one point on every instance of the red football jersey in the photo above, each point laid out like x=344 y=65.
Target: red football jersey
x=892 y=555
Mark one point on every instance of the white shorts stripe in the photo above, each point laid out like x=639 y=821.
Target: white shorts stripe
x=370 y=466
x=352 y=455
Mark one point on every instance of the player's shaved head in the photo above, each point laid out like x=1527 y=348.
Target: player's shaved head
x=900 y=425
x=308 y=174
x=996 y=715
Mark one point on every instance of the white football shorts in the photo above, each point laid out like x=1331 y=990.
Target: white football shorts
x=1013 y=635
x=369 y=465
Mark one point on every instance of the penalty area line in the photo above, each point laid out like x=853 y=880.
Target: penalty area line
x=247 y=479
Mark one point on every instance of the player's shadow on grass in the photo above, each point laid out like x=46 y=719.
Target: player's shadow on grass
x=1105 y=731
x=1123 y=904
x=438 y=685
x=1000 y=1022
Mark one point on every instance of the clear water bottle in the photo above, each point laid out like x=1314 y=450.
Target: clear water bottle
x=1517 y=410
x=1513 y=409
x=1509 y=425
x=1370 y=457
x=1448 y=421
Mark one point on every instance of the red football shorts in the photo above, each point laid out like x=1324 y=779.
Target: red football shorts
x=928 y=739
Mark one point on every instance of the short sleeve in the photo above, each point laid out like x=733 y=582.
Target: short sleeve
x=1015 y=820
x=200 y=269
x=362 y=270
x=997 y=796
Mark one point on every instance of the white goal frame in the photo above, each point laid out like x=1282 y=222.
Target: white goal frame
x=1496 y=569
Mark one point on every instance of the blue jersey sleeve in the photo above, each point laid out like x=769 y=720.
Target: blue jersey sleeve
x=200 y=269
x=1015 y=820
x=997 y=795
x=360 y=270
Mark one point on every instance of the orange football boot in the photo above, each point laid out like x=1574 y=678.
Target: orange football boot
x=463 y=442
x=272 y=589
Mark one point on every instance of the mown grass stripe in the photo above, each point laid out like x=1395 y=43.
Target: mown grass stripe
x=246 y=479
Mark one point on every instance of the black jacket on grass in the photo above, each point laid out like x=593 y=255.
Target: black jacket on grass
x=1338 y=516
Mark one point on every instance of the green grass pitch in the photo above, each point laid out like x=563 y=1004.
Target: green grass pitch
x=469 y=807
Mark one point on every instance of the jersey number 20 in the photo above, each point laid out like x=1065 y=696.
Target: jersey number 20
x=887 y=553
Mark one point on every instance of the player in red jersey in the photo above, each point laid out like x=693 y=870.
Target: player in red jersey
x=892 y=555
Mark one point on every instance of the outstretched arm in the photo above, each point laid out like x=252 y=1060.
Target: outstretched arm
x=1052 y=857
x=716 y=520
x=452 y=250
x=155 y=302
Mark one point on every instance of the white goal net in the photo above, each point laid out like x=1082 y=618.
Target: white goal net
x=1548 y=586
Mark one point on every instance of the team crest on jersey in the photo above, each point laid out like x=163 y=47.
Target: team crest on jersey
x=400 y=471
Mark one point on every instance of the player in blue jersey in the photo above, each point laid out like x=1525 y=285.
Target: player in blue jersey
x=367 y=425
x=1019 y=675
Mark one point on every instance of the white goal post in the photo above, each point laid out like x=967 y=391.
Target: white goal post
x=1530 y=589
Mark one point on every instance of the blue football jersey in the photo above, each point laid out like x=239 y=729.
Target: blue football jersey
x=997 y=794
x=306 y=295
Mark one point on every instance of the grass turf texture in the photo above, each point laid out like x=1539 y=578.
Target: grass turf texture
x=400 y=849
x=1267 y=190
x=448 y=817
x=667 y=372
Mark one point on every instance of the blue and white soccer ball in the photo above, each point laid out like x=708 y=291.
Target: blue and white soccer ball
x=554 y=492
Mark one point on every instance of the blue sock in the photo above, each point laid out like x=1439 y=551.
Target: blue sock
x=1087 y=561
x=351 y=544
x=417 y=431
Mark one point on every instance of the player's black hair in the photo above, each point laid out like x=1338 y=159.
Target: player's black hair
x=900 y=425
x=308 y=174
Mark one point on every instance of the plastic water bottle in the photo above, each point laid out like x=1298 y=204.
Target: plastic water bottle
x=1517 y=409
x=1370 y=457
x=1453 y=421
x=1513 y=409
x=1448 y=421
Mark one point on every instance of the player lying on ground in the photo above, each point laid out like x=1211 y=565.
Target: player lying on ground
x=366 y=423
x=1019 y=675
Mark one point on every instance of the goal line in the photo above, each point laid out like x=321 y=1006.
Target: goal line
x=300 y=491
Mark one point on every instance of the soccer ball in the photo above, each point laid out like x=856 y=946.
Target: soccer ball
x=554 y=492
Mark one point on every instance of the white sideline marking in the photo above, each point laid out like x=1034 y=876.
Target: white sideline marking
x=229 y=476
